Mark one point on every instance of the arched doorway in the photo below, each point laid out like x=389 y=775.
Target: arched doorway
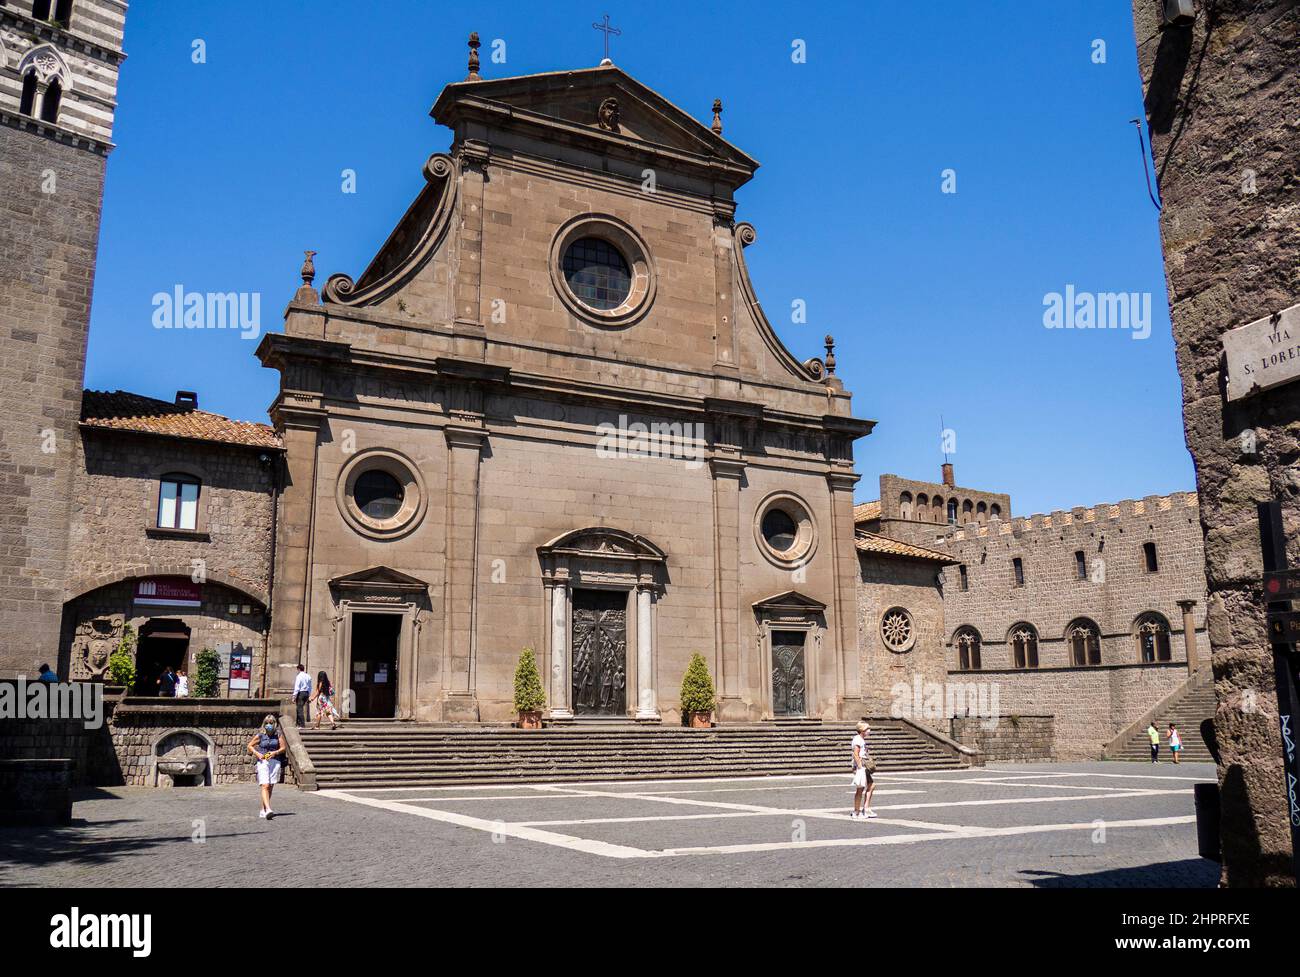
x=163 y=642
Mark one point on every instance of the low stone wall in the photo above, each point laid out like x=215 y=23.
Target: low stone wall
x=89 y=749
x=139 y=724
x=35 y=792
x=1018 y=739
x=1090 y=704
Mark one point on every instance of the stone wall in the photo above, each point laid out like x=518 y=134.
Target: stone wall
x=1221 y=104
x=89 y=750
x=138 y=724
x=47 y=271
x=884 y=583
x=1017 y=739
x=1089 y=704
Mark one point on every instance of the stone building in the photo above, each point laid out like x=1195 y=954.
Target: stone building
x=172 y=528
x=552 y=414
x=1092 y=615
x=58 y=79
x=1221 y=103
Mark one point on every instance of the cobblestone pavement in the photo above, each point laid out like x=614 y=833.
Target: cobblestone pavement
x=1048 y=825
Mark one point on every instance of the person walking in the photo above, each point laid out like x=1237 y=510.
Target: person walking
x=182 y=683
x=1175 y=742
x=302 y=696
x=166 y=683
x=1153 y=735
x=268 y=746
x=864 y=769
x=323 y=697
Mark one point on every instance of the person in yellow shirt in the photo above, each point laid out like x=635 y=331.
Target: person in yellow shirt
x=1153 y=734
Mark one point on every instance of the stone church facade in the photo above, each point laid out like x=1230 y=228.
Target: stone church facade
x=552 y=414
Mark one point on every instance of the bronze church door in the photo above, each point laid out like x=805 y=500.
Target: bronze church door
x=789 y=686
x=599 y=652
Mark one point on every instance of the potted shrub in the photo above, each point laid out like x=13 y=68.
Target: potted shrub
x=121 y=663
x=207 y=675
x=529 y=697
x=697 y=693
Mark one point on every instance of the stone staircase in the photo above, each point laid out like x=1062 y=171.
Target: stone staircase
x=365 y=754
x=1187 y=707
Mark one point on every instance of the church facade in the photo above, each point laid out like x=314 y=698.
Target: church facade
x=552 y=414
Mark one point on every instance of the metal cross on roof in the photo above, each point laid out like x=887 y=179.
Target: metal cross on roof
x=605 y=26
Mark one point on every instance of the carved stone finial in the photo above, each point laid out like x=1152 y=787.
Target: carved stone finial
x=309 y=268
x=473 y=57
x=830 y=355
x=717 y=116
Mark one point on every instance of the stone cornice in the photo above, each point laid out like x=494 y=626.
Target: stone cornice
x=59 y=133
x=69 y=40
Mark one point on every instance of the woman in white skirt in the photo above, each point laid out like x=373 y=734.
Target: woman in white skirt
x=268 y=746
x=864 y=769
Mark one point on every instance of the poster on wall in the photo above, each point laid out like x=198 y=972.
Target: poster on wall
x=241 y=670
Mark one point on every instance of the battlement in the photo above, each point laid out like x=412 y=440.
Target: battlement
x=1150 y=505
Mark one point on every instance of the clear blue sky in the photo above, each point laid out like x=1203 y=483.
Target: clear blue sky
x=226 y=171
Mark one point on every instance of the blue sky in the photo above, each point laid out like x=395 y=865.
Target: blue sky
x=225 y=171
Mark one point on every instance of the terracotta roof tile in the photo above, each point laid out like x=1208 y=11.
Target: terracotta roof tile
x=122 y=411
x=884 y=546
x=866 y=511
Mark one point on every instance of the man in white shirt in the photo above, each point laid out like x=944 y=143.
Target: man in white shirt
x=863 y=780
x=301 y=696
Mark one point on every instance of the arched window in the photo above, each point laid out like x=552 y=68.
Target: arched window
x=967 y=641
x=1024 y=646
x=966 y=511
x=905 y=505
x=58 y=11
x=995 y=511
x=952 y=512
x=923 y=507
x=45 y=81
x=178 y=501
x=981 y=512
x=1084 y=638
x=1152 y=633
x=937 y=506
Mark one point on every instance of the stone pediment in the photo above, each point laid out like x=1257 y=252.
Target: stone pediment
x=601 y=542
x=379 y=579
x=790 y=601
x=578 y=101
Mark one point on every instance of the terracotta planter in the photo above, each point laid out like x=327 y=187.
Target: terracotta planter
x=530 y=720
x=701 y=720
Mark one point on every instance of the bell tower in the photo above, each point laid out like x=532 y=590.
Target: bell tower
x=59 y=62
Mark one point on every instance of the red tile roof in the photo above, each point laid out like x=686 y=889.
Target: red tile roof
x=884 y=546
x=866 y=511
x=122 y=411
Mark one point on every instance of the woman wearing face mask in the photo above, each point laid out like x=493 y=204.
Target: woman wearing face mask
x=268 y=746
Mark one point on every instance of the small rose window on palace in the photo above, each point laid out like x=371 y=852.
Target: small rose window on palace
x=378 y=494
x=897 y=630
x=597 y=273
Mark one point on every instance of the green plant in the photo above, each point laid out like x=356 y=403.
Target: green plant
x=529 y=696
x=121 y=663
x=207 y=669
x=697 y=686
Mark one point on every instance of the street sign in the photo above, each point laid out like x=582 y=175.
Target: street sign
x=1284 y=627
x=1281 y=584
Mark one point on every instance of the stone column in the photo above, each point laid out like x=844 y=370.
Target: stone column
x=1189 y=634
x=647 y=707
x=842 y=633
x=559 y=606
x=727 y=474
x=464 y=448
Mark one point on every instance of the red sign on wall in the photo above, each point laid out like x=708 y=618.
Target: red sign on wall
x=168 y=592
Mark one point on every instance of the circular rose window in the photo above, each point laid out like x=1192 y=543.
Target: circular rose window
x=785 y=531
x=380 y=494
x=602 y=270
x=897 y=630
